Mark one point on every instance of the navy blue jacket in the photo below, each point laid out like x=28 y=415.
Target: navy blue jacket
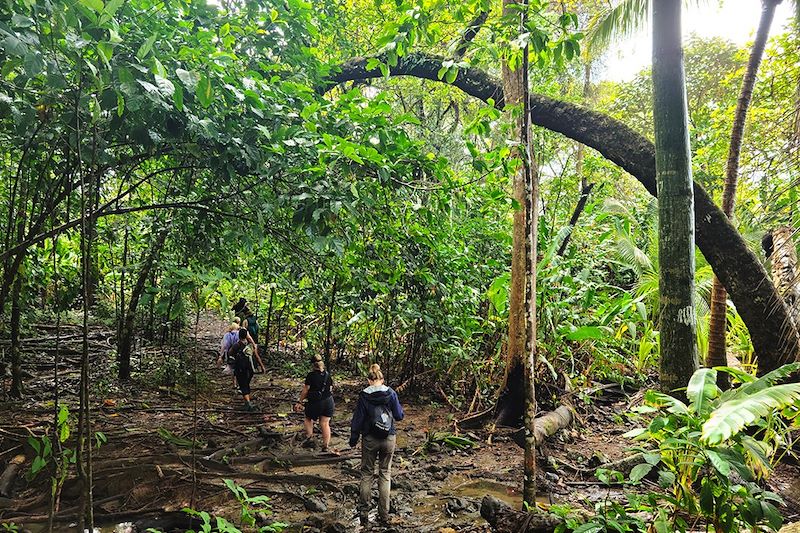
x=377 y=395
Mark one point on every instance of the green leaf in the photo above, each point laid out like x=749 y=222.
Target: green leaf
x=665 y=401
x=702 y=388
x=639 y=471
x=722 y=466
x=146 y=47
x=204 y=92
x=167 y=87
x=94 y=5
x=587 y=332
x=177 y=97
x=451 y=75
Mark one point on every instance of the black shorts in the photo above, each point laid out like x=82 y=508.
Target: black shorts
x=323 y=407
x=243 y=380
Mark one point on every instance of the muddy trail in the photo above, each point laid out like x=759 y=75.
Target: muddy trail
x=163 y=449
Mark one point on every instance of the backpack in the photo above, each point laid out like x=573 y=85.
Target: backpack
x=379 y=420
x=252 y=326
x=240 y=359
x=316 y=395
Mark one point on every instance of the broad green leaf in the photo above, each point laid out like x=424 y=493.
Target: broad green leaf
x=34 y=64
x=94 y=5
x=722 y=466
x=659 y=399
x=702 y=389
x=167 y=88
x=204 y=92
x=638 y=472
x=146 y=47
x=177 y=97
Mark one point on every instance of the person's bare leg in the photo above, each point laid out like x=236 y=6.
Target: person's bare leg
x=309 y=425
x=325 y=428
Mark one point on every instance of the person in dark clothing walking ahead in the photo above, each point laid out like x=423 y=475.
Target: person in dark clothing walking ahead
x=319 y=403
x=373 y=420
x=240 y=357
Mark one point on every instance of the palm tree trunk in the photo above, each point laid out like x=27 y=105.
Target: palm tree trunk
x=675 y=200
x=717 y=351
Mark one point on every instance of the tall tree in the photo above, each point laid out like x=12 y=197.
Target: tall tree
x=717 y=351
x=675 y=200
x=522 y=304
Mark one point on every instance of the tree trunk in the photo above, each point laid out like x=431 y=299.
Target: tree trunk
x=785 y=274
x=776 y=341
x=522 y=304
x=16 y=367
x=586 y=190
x=126 y=333
x=269 y=323
x=678 y=337
x=717 y=346
x=329 y=325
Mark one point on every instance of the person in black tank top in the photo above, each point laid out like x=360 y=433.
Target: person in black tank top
x=319 y=402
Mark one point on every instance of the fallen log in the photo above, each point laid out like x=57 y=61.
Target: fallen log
x=545 y=426
x=10 y=475
x=504 y=519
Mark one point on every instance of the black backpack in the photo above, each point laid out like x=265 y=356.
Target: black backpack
x=239 y=359
x=379 y=419
x=316 y=395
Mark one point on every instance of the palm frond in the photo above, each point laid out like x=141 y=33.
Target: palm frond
x=620 y=21
x=767 y=380
x=734 y=415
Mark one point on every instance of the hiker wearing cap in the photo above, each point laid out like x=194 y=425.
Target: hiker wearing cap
x=319 y=402
x=228 y=341
x=373 y=421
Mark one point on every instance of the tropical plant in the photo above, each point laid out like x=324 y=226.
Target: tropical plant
x=705 y=460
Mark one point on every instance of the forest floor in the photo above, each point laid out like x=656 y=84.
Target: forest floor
x=147 y=471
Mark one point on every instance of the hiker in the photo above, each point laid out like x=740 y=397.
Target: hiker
x=228 y=340
x=319 y=403
x=249 y=320
x=373 y=420
x=240 y=357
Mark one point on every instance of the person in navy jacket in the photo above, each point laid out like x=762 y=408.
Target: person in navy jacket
x=373 y=423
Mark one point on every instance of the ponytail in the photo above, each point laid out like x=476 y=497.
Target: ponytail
x=375 y=373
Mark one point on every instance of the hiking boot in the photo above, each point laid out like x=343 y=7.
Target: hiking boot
x=309 y=443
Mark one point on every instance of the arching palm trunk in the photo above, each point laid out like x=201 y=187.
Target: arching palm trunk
x=675 y=200
x=717 y=351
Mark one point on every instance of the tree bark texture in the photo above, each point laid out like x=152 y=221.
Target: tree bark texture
x=717 y=345
x=785 y=273
x=748 y=284
x=678 y=328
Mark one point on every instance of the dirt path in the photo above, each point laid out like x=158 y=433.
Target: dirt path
x=148 y=470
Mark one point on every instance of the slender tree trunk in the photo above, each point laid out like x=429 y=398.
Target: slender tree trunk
x=269 y=323
x=128 y=322
x=511 y=400
x=329 y=325
x=521 y=356
x=16 y=367
x=717 y=346
x=678 y=338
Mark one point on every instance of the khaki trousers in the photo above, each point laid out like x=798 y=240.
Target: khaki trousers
x=373 y=448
